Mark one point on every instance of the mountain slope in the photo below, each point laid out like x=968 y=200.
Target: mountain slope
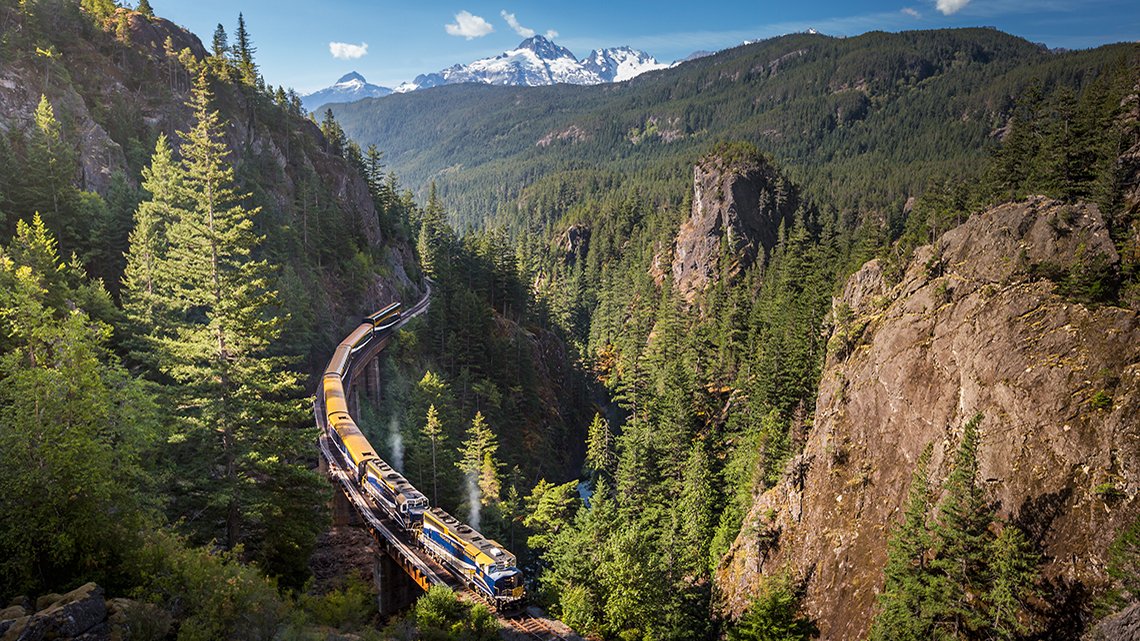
x=350 y=88
x=970 y=329
x=868 y=120
x=537 y=62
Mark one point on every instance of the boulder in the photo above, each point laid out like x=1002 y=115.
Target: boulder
x=1122 y=626
x=81 y=611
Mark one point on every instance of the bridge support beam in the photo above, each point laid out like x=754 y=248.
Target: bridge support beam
x=395 y=590
x=343 y=511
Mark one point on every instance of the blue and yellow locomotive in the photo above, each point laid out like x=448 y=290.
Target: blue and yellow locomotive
x=480 y=562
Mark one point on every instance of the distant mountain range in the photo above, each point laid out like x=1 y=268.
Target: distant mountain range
x=535 y=62
x=538 y=61
x=350 y=88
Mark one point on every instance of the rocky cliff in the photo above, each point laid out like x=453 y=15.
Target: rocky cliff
x=115 y=88
x=972 y=327
x=739 y=202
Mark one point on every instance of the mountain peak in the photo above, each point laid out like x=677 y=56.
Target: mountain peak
x=351 y=76
x=544 y=48
x=351 y=87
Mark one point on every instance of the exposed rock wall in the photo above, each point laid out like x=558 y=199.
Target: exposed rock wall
x=738 y=202
x=82 y=615
x=966 y=331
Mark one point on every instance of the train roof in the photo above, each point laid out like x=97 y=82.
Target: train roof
x=393 y=309
x=490 y=547
x=395 y=480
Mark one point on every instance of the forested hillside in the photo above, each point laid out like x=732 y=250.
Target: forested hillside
x=696 y=281
x=811 y=337
x=179 y=250
x=862 y=122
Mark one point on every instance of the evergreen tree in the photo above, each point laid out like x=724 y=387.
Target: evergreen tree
x=239 y=404
x=599 y=447
x=433 y=431
x=243 y=52
x=902 y=613
x=477 y=460
x=51 y=167
x=221 y=44
x=145 y=282
x=961 y=551
x=1014 y=570
x=145 y=9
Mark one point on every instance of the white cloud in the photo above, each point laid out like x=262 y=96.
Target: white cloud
x=912 y=12
x=514 y=23
x=551 y=34
x=348 y=51
x=469 y=26
x=950 y=7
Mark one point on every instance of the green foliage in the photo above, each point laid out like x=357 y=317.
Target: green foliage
x=208 y=318
x=212 y=595
x=948 y=575
x=76 y=427
x=774 y=615
x=349 y=607
x=440 y=616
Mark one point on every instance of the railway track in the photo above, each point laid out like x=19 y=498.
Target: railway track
x=535 y=628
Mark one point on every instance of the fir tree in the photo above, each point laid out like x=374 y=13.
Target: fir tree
x=145 y=9
x=145 y=283
x=902 y=613
x=221 y=44
x=240 y=404
x=961 y=551
x=51 y=166
x=243 y=51
x=433 y=430
x=599 y=447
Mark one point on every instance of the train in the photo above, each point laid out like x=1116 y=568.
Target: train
x=481 y=563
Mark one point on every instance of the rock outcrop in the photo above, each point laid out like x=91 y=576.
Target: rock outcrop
x=739 y=202
x=83 y=614
x=968 y=329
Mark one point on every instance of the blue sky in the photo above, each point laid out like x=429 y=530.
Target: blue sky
x=405 y=38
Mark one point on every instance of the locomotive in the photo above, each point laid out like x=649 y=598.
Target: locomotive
x=482 y=563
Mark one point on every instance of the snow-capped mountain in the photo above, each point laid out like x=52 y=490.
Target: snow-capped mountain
x=538 y=61
x=351 y=87
x=620 y=63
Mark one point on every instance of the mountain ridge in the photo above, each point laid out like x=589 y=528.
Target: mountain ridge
x=538 y=61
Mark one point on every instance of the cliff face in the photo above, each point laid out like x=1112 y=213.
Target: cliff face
x=115 y=89
x=967 y=330
x=738 y=205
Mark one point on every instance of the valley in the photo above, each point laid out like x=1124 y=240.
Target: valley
x=813 y=337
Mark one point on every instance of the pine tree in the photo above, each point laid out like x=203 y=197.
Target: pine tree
x=221 y=44
x=145 y=283
x=902 y=614
x=433 y=430
x=599 y=447
x=334 y=135
x=240 y=405
x=244 y=50
x=480 y=468
x=1014 y=570
x=145 y=9
x=51 y=167
x=961 y=551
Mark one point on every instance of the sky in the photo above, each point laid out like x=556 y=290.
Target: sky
x=309 y=44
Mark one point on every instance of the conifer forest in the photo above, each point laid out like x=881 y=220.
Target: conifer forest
x=811 y=338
